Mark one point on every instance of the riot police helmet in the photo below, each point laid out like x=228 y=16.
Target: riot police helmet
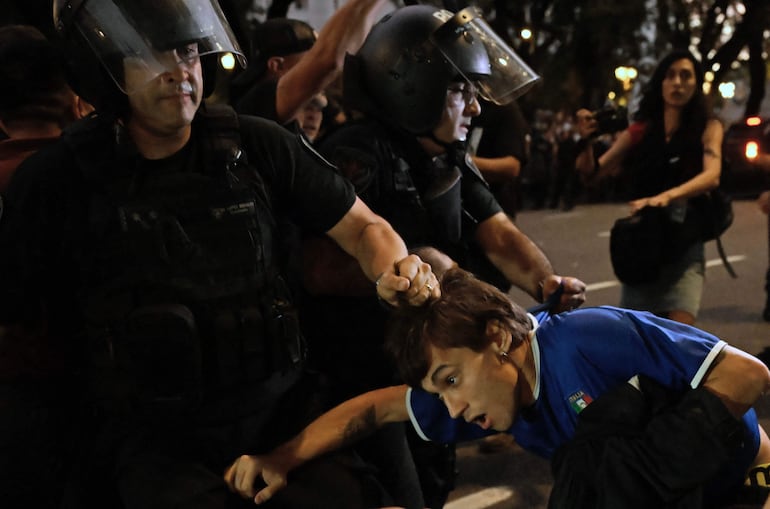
x=410 y=57
x=155 y=34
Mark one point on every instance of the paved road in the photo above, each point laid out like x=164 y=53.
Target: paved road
x=577 y=242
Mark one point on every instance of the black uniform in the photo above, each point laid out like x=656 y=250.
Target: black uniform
x=161 y=283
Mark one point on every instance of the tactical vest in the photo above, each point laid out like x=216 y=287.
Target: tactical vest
x=425 y=205
x=183 y=297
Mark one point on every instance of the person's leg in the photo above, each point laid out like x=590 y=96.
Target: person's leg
x=766 y=311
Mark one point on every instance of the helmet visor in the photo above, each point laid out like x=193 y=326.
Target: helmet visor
x=508 y=77
x=154 y=35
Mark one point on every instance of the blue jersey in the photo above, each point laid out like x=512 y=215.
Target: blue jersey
x=579 y=356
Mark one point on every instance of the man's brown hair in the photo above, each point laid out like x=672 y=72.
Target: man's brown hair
x=458 y=319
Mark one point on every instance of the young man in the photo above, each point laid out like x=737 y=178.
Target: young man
x=146 y=246
x=476 y=364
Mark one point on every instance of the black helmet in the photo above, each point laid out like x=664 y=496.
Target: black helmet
x=411 y=56
x=100 y=34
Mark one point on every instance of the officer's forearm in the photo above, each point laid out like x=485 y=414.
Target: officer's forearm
x=369 y=239
x=514 y=254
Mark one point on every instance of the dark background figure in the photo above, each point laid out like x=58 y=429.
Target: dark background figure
x=565 y=185
x=536 y=174
x=502 y=151
x=763 y=202
x=277 y=45
x=36 y=102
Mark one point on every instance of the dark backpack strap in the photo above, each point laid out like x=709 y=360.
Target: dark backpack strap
x=723 y=256
x=223 y=137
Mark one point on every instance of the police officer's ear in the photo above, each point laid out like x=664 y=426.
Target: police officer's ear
x=276 y=66
x=81 y=108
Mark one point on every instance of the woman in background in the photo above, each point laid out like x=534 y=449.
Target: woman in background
x=668 y=156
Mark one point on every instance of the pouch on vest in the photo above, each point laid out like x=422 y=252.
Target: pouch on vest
x=161 y=352
x=283 y=327
x=443 y=202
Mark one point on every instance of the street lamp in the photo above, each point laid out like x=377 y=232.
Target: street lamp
x=625 y=75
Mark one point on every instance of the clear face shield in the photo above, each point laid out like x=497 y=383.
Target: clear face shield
x=505 y=76
x=153 y=36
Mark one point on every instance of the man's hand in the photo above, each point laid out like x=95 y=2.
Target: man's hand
x=574 y=294
x=242 y=475
x=411 y=280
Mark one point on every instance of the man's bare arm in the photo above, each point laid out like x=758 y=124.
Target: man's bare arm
x=343 y=33
x=343 y=425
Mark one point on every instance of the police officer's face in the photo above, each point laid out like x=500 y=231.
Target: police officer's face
x=167 y=102
x=460 y=107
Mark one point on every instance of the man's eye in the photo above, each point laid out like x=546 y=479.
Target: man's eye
x=451 y=380
x=188 y=52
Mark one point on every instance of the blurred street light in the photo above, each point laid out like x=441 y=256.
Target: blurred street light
x=228 y=61
x=626 y=75
x=727 y=90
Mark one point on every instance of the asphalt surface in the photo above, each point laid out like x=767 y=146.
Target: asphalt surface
x=577 y=243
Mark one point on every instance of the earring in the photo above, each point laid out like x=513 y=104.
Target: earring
x=503 y=357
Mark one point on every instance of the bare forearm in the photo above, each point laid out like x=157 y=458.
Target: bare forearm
x=526 y=268
x=738 y=379
x=514 y=254
x=378 y=248
x=348 y=27
x=328 y=270
x=343 y=33
x=369 y=239
x=346 y=424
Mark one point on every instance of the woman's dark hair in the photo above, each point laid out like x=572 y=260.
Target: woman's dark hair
x=456 y=320
x=695 y=113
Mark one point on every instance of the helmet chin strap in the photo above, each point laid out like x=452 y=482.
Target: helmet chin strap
x=445 y=145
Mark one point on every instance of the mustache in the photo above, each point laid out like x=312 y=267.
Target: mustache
x=185 y=87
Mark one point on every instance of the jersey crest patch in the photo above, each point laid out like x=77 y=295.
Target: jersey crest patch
x=579 y=401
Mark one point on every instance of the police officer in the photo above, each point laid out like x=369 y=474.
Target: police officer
x=416 y=79
x=146 y=248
